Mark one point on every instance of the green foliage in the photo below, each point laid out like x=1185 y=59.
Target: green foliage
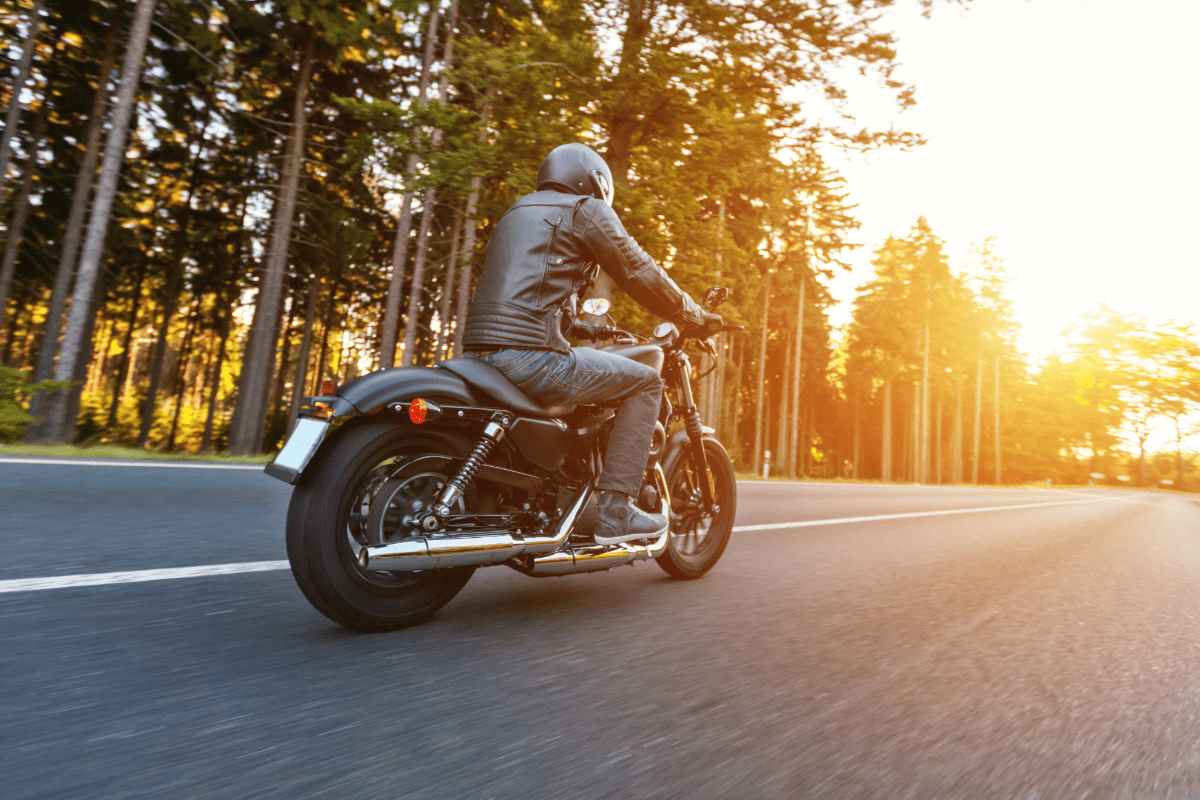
x=15 y=391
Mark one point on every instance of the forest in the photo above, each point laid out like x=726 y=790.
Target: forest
x=209 y=208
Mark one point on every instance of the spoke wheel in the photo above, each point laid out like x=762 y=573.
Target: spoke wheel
x=698 y=537
x=365 y=490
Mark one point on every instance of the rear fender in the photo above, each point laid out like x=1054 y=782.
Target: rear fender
x=375 y=391
x=363 y=396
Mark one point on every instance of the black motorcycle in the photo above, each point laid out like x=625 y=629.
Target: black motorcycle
x=407 y=479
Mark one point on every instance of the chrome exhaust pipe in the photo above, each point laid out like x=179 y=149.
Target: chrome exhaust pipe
x=595 y=557
x=469 y=549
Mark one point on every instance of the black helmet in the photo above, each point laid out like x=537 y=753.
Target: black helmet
x=577 y=169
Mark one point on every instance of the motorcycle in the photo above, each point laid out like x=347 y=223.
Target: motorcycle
x=409 y=479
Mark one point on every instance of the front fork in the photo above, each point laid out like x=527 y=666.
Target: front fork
x=691 y=421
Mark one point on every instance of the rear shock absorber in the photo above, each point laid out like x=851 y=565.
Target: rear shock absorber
x=493 y=432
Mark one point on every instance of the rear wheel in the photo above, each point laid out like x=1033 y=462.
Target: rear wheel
x=363 y=489
x=698 y=538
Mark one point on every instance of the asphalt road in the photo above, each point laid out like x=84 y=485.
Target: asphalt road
x=1037 y=651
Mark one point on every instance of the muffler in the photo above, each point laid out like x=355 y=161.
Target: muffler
x=596 y=557
x=591 y=558
x=469 y=549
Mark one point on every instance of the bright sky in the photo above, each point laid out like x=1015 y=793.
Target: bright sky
x=1069 y=129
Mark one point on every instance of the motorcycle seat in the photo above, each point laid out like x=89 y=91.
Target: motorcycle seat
x=649 y=354
x=491 y=382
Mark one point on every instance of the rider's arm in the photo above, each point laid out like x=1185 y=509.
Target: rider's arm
x=604 y=239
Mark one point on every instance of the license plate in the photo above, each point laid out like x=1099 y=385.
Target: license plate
x=298 y=449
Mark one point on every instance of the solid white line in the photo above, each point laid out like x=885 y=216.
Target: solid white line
x=114 y=462
x=813 y=523
x=105 y=578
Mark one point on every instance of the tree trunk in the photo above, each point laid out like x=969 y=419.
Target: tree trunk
x=915 y=463
x=1141 y=437
x=285 y=357
x=416 y=293
x=66 y=433
x=300 y=379
x=762 y=370
x=13 y=118
x=886 y=443
x=448 y=287
x=857 y=437
x=937 y=438
x=796 y=375
x=978 y=414
x=956 y=467
x=73 y=231
x=327 y=321
x=996 y=425
x=123 y=366
x=16 y=229
x=719 y=414
x=158 y=354
x=171 y=294
x=786 y=465
x=735 y=411
x=1178 y=457
x=391 y=305
x=416 y=290
x=468 y=248
x=246 y=437
x=215 y=380
x=73 y=342
x=180 y=380
x=923 y=456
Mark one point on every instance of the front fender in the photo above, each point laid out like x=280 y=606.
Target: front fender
x=679 y=440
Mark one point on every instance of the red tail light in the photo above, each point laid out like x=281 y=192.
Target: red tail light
x=416 y=410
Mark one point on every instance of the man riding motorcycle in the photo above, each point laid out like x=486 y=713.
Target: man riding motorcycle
x=545 y=253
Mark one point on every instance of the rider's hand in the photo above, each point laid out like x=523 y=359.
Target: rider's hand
x=584 y=330
x=712 y=323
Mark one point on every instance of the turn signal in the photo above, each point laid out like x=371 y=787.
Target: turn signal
x=416 y=410
x=328 y=388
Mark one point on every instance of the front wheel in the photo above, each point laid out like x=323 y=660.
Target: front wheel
x=698 y=537
x=334 y=514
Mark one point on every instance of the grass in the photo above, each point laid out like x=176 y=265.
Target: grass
x=115 y=451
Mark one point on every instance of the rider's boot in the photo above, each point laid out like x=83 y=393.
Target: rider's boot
x=620 y=520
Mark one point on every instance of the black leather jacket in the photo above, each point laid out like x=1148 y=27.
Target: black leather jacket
x=545 y=253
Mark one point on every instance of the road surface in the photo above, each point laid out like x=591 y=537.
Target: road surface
x=855 y=641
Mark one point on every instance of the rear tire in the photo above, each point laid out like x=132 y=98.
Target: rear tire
x=326 y=528
x=697 y=540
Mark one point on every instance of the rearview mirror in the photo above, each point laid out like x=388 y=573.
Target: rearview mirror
x=714 y=297
x=596 y=306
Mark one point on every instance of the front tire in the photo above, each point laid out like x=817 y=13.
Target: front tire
x=327 y=525
x=697 y=538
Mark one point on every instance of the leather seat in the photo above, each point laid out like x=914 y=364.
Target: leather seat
x=491 y=382
x=649 y=354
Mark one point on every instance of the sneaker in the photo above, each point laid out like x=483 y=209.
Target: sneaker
x=619 y=520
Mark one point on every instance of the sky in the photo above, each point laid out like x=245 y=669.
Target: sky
x=1069 y=130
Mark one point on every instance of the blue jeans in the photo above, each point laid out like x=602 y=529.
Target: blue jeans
x=593 y=377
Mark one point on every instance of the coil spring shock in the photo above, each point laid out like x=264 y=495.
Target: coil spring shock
x=457 y=485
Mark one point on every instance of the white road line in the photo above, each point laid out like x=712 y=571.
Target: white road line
x=115 y=462
x=105 y=578
x=813 y=523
